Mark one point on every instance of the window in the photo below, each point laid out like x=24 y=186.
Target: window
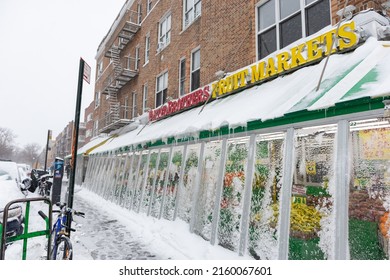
x=126 y=108
x=182 y=76
x=88 y=133
x=161 y=89
x=148 y=6
x=147 y=48
x=192 y=10
x=96 y=128
x=139 y=13
x=134 y=107
x=89 y=117
x=282 y=22
x=195 y=70
x=164 y=32
x=136 y=65
x=97 y=99
x=144 y=98
x=100 y=68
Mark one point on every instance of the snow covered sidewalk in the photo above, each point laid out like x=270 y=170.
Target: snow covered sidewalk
x=110 y=232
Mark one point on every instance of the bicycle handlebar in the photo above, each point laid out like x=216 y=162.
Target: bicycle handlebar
x=43 y=215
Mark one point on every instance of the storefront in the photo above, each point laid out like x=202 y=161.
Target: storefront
x=278 y=170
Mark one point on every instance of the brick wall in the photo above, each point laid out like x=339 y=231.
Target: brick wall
x=360 y=5
x=225 y=34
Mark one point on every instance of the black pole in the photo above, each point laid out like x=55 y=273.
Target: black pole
x=47 y=146
x=75 y=137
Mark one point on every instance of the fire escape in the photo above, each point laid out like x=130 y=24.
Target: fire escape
x=121 y=70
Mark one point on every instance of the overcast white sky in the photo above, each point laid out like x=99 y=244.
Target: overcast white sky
x=41 y=42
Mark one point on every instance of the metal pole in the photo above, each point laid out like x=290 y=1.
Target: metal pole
x=47 y=146
x=246 y=208
x=285 y=196
x=75 y=137
x=342 y=191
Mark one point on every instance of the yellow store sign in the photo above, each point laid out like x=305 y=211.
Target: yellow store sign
x=311 y=51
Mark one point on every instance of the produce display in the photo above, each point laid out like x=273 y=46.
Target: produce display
x=384 y=225
x=304 y=220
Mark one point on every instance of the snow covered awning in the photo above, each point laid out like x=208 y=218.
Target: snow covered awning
x=362 y=73
x=93 y=144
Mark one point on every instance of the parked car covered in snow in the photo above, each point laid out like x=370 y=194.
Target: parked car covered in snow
x=9 y=190
x=15 y=172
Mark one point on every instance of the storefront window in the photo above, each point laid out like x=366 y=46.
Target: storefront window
x=208 y=185
x=232 y=194
x=369 y=192
x=152 y=171
x=131 y=181
x=264 y=214
x=118 y=178
x=189 y=180
x=311 y=217
x=159 y=186
x=138 y=183
x=126 y=173
x=173 y=183
x=108 y=177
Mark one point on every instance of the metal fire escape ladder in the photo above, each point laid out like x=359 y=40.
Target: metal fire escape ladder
x=113 y=89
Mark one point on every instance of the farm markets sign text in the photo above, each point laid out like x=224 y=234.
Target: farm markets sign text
x=308 y=52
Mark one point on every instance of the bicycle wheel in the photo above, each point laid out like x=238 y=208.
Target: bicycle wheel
x=64 y=249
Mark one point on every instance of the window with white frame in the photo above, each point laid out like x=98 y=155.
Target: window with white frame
x=99 y=68
x=282 y=22
x=139 y=13
x=161 y=89
x=137 y=59
x=97 y=99
x=144 y=98
x=182 y=76
x=148 y=6
x=147 y=48
x=96 y=128
x=89 y=117
x=192 y=9
x=164 y=32
x=88 y=133
x=134 y=106
x=126 y=108
x=195 y=69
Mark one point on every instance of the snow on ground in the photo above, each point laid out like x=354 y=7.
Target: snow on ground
x=110 y=232
x=163 y=239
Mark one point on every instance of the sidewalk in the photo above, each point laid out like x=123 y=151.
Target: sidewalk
x=98 y=236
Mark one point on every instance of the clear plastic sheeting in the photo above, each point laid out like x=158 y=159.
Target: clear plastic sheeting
x=369 y=191
x=311 y=218
x=158 y=190
x=232 y=194
x=208 y=186
x=189 y=180
x=235 y=191
x=175 y=167
x=264 y=212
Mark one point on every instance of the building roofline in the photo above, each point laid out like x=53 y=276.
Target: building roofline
x=114 y=25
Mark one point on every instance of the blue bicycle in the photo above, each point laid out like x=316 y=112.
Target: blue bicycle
x=62 y=248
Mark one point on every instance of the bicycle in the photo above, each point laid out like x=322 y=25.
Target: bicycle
x=62 y=248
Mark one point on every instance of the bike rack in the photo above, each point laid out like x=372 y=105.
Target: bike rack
x=25 y=235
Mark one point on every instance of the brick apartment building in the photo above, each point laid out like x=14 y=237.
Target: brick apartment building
x=88 y=121
x=161 y=50
x=63 y=141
